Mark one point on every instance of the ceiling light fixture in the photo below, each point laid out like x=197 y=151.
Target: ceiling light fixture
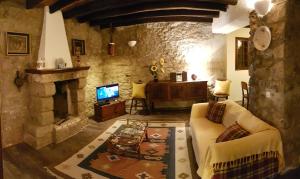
x=262 y=7
x=250 y=4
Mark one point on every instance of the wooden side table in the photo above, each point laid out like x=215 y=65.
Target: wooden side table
x=109 y=111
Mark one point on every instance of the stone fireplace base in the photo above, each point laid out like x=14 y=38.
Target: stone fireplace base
x=69 y=128
x=41 y=129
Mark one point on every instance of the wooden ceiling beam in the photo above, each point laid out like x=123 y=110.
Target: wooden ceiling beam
x=32 y=3
x=153 y=14
x=59 y=5
x=114 y=5
x=40 y=3
x=152 y=19
x=143 y=9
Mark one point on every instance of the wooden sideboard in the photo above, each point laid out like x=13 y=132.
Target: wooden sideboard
x=176 y=91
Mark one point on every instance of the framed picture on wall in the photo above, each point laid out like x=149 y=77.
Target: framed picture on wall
x=241 y=53
x=17 y=43
x=78 y=47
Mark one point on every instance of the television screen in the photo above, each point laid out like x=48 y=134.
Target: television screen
x=107 y=92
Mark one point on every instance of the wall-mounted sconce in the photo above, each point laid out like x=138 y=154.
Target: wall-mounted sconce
x=20 y=79
x=262 y=7
x=132 y=43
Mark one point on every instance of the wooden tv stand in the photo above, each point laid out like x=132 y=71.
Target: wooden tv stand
x=109 y=111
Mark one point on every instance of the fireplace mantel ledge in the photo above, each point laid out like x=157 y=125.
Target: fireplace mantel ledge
x=53 y=71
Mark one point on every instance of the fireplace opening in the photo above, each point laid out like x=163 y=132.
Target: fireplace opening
x=63 y=107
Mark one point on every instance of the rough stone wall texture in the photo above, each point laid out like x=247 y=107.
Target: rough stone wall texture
x=292 y=84
x=276 y=70
x=15 y=18
x=184 y=46
x=93 y=45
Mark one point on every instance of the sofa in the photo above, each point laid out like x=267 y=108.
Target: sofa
x=258 y=155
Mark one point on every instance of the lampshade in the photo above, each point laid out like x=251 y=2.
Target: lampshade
x=132 y=43
x=262 y=7
x=250 y=4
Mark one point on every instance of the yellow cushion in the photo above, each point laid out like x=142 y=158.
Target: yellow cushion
x=222 y=87
x=138 y=90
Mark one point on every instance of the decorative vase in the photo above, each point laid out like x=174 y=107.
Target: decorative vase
x=194 y=77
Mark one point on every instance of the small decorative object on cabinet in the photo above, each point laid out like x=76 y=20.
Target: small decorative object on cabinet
x=194 y=77
x=153 y=70
x=177 y=77
x=184 y=76
x=109 y=111
x=155 y=67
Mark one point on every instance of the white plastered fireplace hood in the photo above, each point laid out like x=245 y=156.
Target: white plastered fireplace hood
x=54 y=43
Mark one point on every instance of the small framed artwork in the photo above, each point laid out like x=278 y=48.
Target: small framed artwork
x=17 y=43
x=241 y=53
x=78 y=47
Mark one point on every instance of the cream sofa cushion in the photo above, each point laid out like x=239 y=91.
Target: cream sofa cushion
x=233 y=112
x=253 y=124
x=222 y=87
x=205 y=133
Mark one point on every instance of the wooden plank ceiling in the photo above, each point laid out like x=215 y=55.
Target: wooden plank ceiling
x=107 y=13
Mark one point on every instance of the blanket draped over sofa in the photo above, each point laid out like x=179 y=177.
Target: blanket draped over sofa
x=259 y=154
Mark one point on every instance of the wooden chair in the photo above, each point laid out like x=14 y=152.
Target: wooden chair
x=245 y=93
x=138 y=96
x=221 y=90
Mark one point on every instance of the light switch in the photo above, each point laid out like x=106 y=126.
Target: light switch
x=268 y=94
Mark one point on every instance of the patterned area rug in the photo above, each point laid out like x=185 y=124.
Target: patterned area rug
x=164 y=155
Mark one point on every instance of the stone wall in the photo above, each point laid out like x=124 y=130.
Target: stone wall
x=93 y=45
x=276 y=71
x=292 y=84
x=184 y=46
x=15 y=18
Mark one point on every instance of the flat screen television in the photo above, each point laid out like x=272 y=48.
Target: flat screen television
x=107 y=92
